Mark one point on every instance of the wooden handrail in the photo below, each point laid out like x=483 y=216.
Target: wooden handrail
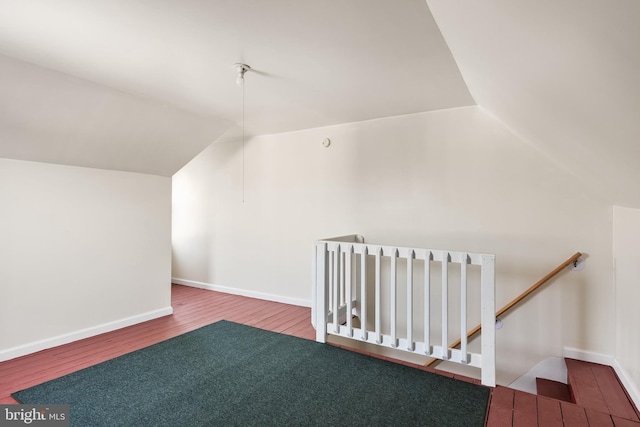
x=515 y=301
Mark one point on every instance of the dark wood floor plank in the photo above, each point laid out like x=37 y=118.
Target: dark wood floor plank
x=298 y=327
x=549 y=413
x=281 y=318
x=525 y=410
x=573 y=415
x=584 y=386
x=614 y=394
x=501 y=408
x=598 y=419
x=621 y=422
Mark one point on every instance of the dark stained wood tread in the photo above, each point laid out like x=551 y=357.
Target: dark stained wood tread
x=553 y=389
x=514 y=408
x=593 y=397
x=597 y=387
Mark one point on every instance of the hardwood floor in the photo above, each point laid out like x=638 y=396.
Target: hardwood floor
x=194 y=308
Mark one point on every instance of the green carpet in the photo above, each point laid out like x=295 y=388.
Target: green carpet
x=228 y=374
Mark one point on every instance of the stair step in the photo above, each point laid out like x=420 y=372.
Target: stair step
x=598 y=388
x=553 y=389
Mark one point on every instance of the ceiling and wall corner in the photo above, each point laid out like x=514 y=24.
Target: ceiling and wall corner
x=563 y=74
x=113 y=82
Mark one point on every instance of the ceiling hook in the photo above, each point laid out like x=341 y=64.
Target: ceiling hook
x=241 y=69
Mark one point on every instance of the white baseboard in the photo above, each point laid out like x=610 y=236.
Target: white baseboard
x=588 y=356
x=243 y=292
x=604 y=359
x=22 y=350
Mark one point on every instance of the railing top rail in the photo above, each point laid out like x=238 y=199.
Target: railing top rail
x=355 y=243
x=351 y=238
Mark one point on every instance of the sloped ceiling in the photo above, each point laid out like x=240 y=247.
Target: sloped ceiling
x=563 y=74
x=52 y=117
x=144 y=85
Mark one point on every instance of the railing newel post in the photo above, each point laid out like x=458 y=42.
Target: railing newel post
x=321 y=290
x=377 y=297
x=488 y=318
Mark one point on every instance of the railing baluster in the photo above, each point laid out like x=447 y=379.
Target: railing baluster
x=378 y=331
x=329 y=279
x=393 y=294
x=410 y=256
x=427 y=303
x=363 y=293
x=348 y=255
x=463 y=310
x=343 y=256
x=445 y=305
x=357 y=278
x=336 y=289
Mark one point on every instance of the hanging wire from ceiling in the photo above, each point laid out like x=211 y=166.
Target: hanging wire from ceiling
x=242 y=69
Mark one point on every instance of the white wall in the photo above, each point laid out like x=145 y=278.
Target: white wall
x=81 y=251
x=626 y=252
x=452 y=179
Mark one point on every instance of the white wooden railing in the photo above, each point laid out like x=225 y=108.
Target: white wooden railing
x=348 y=273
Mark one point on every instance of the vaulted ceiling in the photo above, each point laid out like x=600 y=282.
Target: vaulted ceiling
x=564 y=74
x=144 y=85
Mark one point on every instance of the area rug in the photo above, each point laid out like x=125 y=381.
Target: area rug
x=227 y=374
